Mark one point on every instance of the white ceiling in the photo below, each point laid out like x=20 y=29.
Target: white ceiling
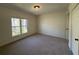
x=45 y=7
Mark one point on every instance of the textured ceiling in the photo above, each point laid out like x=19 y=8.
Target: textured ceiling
x=45 y=7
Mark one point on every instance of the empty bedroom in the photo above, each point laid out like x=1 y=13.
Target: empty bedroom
x=39 y=28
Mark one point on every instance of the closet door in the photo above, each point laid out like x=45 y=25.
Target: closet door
x=75 y=30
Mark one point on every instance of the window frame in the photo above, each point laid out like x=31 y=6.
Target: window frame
x=24 y=25
x=20 y=23
x=15 y=26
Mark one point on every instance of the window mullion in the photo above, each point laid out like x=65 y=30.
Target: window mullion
x=20 y=27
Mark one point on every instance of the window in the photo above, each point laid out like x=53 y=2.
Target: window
x=24 y=25
x=15 y=26
x=19 y=26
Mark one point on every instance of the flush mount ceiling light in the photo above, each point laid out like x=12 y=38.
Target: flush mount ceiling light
x=36 y=6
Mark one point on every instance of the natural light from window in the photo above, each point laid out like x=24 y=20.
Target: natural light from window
x=15 y=26
x=19 y=26
x=24 y=25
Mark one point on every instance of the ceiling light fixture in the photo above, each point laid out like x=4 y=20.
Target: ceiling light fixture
x=36 y=6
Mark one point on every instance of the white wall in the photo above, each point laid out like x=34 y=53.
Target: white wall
x=5 y=24
x=52 y=24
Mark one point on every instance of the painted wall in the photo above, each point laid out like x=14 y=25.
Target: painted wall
x=5 y=24
x=53 y=24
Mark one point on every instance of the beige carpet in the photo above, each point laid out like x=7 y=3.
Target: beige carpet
x=37 y=45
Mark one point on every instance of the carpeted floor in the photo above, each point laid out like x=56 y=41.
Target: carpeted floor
x=37 y=45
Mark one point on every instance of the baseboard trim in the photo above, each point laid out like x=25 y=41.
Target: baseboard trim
x=16 y=40
x=51 y=36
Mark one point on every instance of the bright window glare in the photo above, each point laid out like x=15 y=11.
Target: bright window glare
x=15 y=26
x=24 y=25
x=19 y=26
